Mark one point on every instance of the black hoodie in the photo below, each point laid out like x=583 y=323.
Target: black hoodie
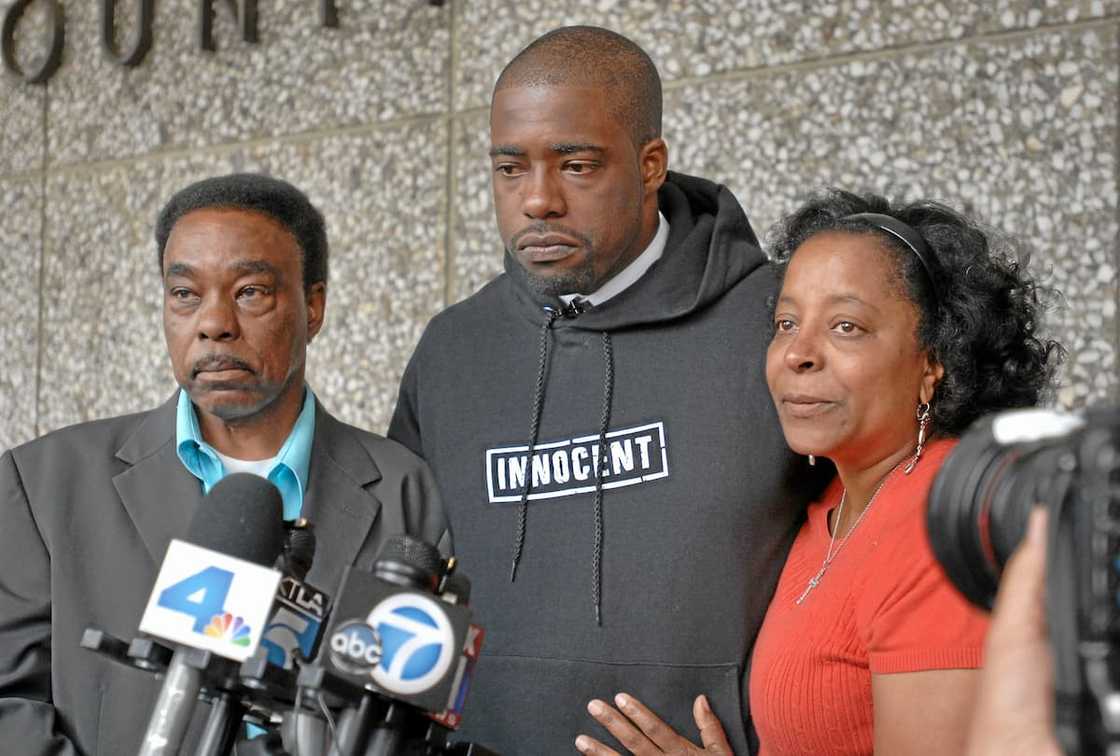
x=681 y=544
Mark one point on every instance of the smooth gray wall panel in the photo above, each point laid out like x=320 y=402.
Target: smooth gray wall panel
x=705 y=37
x=380 y=191
x=387 y=60
x=20 y=223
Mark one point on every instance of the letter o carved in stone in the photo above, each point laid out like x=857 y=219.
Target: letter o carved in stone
x=56 y=34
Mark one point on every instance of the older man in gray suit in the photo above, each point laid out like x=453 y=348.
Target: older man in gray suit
x=86 y=513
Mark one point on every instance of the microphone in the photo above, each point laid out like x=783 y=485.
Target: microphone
x=301 y=609
x=394 y=652
x=212 y=596
x=298 y=553
x=290 y=638
x=396 y=612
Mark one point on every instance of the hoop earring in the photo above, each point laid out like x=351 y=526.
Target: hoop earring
x=812 y=461
x=923 y=423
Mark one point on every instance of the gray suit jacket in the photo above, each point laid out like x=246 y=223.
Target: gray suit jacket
x=86 y=514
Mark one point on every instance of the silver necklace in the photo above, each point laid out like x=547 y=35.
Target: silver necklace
x=816 y=579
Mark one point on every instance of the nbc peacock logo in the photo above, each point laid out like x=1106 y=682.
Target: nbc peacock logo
x=233 y=629
x=220 y=607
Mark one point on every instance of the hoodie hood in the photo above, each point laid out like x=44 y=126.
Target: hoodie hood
x=711 y=248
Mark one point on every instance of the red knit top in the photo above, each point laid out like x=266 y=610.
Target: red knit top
x=883 y=606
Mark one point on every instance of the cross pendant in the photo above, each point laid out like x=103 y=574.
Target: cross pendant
x=813 y=583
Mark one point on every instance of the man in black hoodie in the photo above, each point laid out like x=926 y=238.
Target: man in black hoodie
x=627 y=337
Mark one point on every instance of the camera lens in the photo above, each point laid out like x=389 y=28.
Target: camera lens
x=983 y=494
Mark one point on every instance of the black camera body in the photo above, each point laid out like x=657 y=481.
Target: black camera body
x=979 y=504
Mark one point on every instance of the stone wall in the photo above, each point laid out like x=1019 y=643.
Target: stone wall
x=1005 y=108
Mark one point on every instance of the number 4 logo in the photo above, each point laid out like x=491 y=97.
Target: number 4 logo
x=202 y=595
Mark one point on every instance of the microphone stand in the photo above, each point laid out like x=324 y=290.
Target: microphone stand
x=222 y=726
x=175 y=704
x=356 y=725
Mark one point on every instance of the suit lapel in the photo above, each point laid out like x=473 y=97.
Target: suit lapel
x=161 y=495
x=338 y=501
x=158 y=492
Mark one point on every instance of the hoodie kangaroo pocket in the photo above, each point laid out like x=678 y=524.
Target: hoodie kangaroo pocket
x=532 y=706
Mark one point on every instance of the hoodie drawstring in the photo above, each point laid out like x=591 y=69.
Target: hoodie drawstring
x=534 y=428
x=601 y=463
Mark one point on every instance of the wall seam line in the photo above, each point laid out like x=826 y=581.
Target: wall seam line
x=1116 y=190
x=224 y=148
x=887 y=53
x=450 y=183
x=33 y=173
x=40 y=330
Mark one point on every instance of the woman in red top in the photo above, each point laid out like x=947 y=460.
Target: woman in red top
x=894 y=329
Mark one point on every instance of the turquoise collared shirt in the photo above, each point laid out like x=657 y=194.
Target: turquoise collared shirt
x=289 y=473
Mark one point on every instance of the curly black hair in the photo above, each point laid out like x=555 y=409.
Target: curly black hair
x=258 y=193
x=980 y=325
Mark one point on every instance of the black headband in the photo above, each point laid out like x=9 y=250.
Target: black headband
x=909 y=237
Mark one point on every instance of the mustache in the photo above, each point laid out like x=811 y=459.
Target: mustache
x=211 y=362
x=543 y=229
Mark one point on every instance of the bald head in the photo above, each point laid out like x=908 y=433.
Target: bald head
x=588 y=56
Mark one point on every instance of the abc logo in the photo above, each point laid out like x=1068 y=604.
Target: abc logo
x=417 y=643
x=355 y=648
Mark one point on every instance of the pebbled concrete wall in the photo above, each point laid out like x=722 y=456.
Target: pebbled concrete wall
x=1005 y=108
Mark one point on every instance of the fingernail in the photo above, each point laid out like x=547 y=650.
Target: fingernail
x=704 y=704
x=595 y=707
x=622 y=700
x=582 y=744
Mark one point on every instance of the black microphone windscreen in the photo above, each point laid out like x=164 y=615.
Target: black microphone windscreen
x=413 y=552
x=299 y=552
x=240 y=517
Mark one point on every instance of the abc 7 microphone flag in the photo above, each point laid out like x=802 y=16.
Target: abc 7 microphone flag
x=409 y=645
x=406 y=644
x=222 y=608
